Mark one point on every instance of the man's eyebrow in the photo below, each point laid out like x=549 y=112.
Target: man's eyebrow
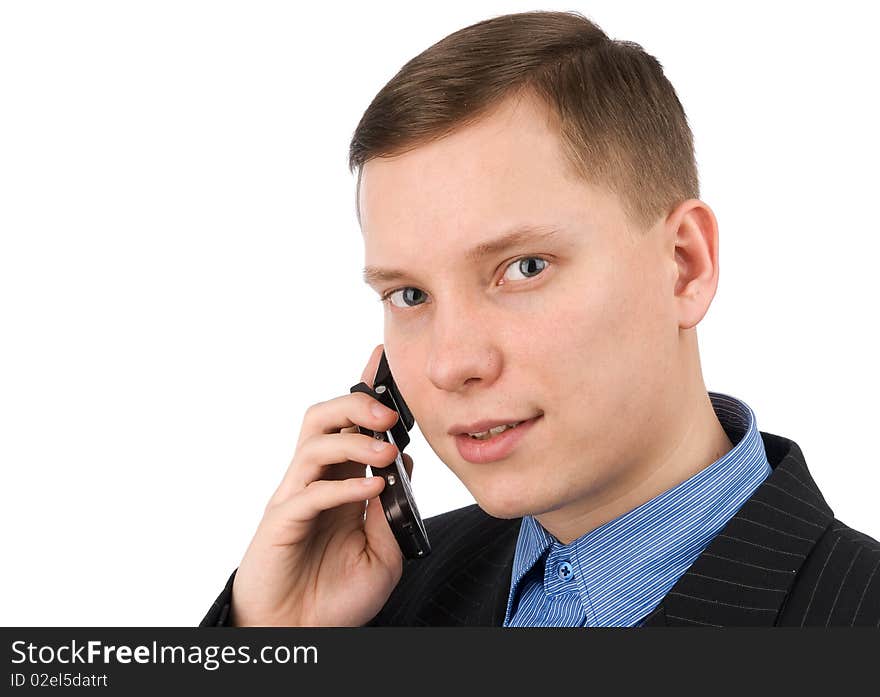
x=519 y=235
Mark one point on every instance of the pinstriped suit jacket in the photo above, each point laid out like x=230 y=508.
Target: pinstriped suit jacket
x=782 y=560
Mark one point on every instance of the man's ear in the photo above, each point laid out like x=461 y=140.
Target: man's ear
x=693 y=231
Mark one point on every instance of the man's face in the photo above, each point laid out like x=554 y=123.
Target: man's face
x=577 y=328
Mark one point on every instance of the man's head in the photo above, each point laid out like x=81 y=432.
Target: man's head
x=588 y=322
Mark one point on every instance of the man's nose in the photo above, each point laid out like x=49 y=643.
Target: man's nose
x=463 y=348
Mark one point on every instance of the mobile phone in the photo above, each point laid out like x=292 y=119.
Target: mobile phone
x=397 y=498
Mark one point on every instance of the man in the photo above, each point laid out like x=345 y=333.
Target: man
x=529 y=203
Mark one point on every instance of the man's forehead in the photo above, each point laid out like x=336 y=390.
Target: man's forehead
x=508 y=153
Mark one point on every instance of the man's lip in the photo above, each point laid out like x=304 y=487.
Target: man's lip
x=486 y=424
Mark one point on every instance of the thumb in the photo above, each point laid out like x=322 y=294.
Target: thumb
x=377 y=529
x=380 y=539
x=408 y=465
x=372 y=365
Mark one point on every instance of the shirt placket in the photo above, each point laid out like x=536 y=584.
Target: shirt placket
x=566 y=589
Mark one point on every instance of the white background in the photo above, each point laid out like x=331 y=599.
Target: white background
x=180 y=260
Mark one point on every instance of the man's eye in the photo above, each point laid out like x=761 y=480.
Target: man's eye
x=404 y=297
x=528 y=266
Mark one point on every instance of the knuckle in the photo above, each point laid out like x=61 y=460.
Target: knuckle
x=274 y=505
x=303 y=449
x=312 y=411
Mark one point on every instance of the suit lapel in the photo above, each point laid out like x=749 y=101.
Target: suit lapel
x=743 y=576
x=474 y=590
x=499 y=604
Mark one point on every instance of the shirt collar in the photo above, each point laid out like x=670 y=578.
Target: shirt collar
x=627 y=565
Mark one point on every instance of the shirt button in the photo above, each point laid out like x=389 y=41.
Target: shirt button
x=565 y=572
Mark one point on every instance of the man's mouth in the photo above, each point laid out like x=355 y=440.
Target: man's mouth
x=488 y=428
x=487 y=441
x=485 y=435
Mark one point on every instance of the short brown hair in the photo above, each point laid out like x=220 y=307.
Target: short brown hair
x=620 y=122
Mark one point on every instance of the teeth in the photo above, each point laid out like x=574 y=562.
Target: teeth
x=484 y=435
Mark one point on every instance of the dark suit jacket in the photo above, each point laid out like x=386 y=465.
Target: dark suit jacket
x=782 y=560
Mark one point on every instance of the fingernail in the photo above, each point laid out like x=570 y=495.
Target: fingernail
x=378 y=410
x=378 y=445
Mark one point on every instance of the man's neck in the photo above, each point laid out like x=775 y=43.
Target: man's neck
x=702 y=442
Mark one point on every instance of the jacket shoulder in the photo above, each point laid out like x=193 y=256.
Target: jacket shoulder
x=839 y=583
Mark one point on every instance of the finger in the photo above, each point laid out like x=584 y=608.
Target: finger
x=322 y=495
x=332 y=456
x=346 y=412
x=340 y=456
x=372 y=365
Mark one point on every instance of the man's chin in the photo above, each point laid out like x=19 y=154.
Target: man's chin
x=507 y=504
x=501 y=507
x=500 y=494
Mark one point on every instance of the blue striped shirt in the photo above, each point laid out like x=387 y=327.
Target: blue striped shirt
x=617 y=574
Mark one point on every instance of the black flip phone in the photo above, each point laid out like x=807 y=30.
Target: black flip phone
x=397 y=499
